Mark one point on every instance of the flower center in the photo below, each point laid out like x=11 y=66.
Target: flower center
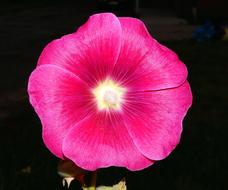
x=108 y=95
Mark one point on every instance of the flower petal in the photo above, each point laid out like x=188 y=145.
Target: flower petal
x=155 y=119
x=61 y=100
x=101 y=141
x=144 y=64
x=91 y=52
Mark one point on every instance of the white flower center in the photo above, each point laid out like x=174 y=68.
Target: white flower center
x=108 y=95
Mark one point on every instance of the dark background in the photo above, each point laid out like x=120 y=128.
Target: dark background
x=198 y=161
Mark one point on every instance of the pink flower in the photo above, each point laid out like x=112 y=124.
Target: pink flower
x=110 y=95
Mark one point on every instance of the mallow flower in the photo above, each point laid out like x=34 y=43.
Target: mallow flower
x=110 y=95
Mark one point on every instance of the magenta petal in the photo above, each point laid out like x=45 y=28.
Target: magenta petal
x=155 y=119
x=60 y=99
x=144 y=64
x=102 y=141
x=91 y=52
x=135 y=45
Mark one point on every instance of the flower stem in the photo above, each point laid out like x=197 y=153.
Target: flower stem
x=92 y=185
x=93 y=181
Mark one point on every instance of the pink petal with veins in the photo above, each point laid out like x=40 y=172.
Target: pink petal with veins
x=61 y=99
x=101 y=141
x=154 y=119
x=91 y=52
x=144 y=64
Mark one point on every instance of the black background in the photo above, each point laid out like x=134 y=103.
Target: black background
x=196 y=164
